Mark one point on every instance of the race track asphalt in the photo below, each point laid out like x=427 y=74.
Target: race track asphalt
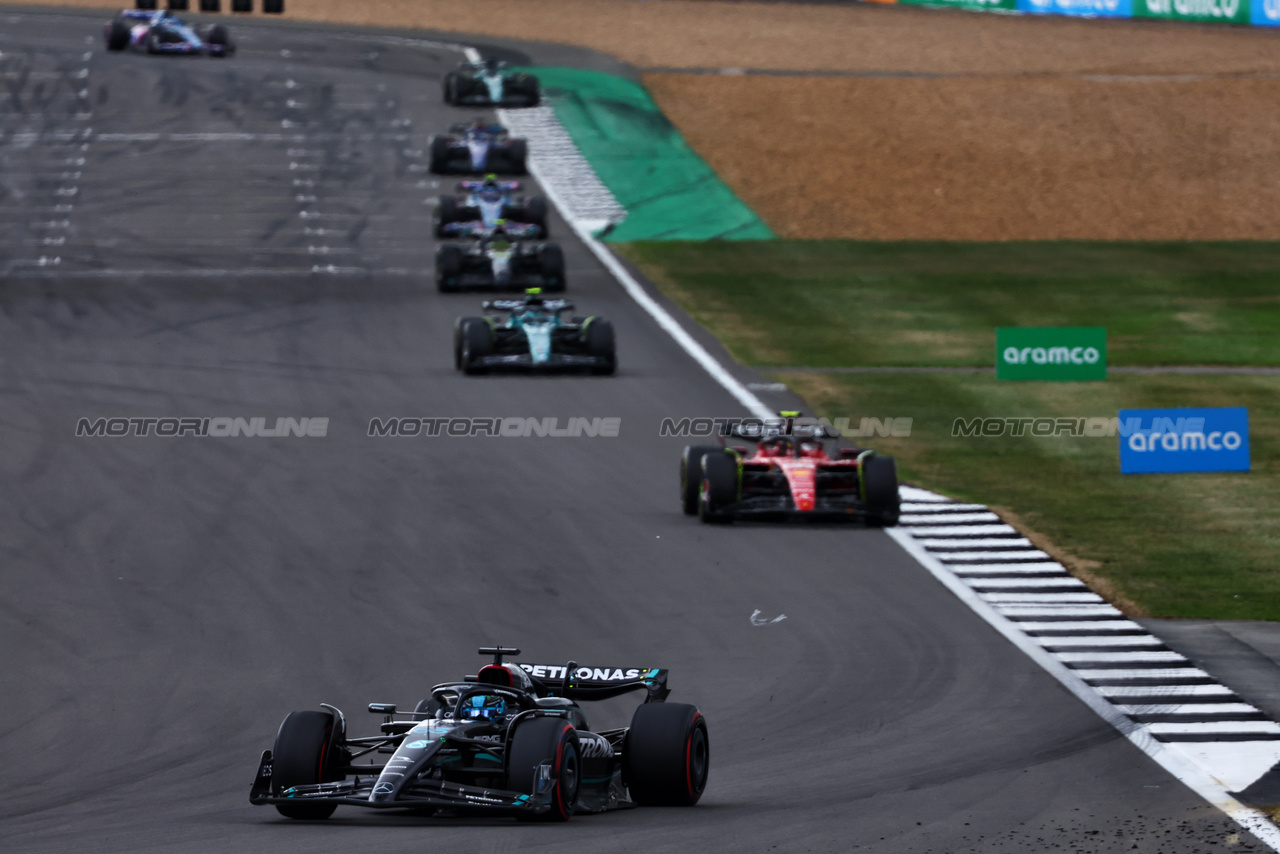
x=164 y=602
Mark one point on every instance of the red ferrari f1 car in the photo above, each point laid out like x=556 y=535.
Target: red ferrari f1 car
x=788 y=475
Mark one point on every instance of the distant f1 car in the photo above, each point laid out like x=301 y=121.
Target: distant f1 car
x=490 y=84
x=488 y=201
x=533 y=336
x=163 y=32
x=789 y=474
x=500 y=257
x=513 y=739
x=478 y=147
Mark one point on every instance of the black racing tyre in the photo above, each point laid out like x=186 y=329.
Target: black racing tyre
x=719 y=487
x=518 y=156
x=476 y=341
x=667 y=755
x=551 y=265
x=439 y=154
x=450 y=86
x=307 y=751
x=218 y=35
x=878 y=483
x=448 y=266
x=535 y=211
x=691 y=475
x=539 y=740
x=117 y=35
x=528 y=89
x=446 y=212
x=601 y=342
x=461 y=329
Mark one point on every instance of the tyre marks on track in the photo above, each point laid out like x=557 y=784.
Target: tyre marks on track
x=1158 y=692
x=46 y=110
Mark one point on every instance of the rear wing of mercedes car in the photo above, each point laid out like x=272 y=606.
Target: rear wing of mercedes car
x=580 y=682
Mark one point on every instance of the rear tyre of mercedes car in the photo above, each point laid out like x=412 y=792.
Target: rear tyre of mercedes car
x=691 y=475
x=551 y=265
x=117 y=35
x=879 y=486
x=719 y=488
x=476 y=343
x=539 y=741
x=306 y=752
x=601 y=342
x=667 y=755
x=448 y=267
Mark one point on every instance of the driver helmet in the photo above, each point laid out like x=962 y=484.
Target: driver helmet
x=489 y=190
x=498 y=239
x=488 y=707
x=810 y=449
x=491 y=65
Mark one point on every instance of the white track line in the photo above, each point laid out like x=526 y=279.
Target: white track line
x=1174 y=761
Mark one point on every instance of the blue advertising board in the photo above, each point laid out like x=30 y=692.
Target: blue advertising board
x=1264 y=13
x=1182 y=440
x=1087 y=8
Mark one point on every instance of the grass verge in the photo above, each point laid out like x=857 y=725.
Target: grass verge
x=1200 y=545
x=846 y=303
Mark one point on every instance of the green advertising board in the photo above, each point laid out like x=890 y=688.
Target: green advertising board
x=1220 y=11
x=1009 y=5
x=1051 y=353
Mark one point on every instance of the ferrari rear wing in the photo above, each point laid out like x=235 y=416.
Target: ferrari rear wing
x=579 y=682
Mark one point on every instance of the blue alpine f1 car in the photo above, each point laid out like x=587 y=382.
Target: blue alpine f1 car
x=164 y=33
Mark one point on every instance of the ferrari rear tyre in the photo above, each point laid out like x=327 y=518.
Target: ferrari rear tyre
x=539 y=741
x=306 y=752
x=667 y=755
x=691 y=475
x=602 y=343
x=719 y=488
x=879 y=485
